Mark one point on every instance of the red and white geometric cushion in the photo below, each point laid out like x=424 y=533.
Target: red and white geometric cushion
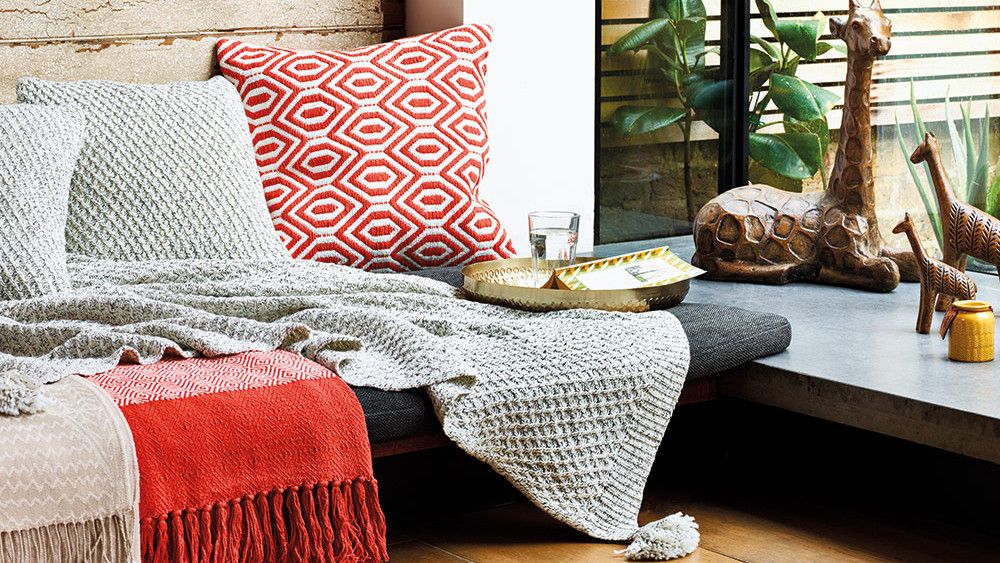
x=372 y=157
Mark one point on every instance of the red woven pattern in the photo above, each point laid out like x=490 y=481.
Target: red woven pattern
x=131 y=384
x=372 y=158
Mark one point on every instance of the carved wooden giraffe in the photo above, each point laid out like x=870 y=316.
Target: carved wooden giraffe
x=936 y=278
x=967 y=231
x=763 y=234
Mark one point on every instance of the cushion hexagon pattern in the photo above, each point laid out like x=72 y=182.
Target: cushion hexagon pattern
x=166 y=172
x=372 y=157
x=38 y=150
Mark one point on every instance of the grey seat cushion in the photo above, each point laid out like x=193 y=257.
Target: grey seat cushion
x=720 y=338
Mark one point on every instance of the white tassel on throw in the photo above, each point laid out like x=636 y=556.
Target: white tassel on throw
x=668 y=538
x=19 y=394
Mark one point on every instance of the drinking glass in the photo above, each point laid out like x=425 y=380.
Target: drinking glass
x=553 y=237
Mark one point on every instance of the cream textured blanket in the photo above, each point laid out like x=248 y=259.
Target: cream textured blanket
x=569 y=406
x=69 y=483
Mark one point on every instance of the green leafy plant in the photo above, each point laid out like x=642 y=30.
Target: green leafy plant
x=976 y=183
x=674 y=39
x=798 y=152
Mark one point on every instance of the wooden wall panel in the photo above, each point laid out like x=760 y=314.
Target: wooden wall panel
x=165 y=40
x=147 y=60
x=30 y=19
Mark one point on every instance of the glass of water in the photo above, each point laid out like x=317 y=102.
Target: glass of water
x=553 y=237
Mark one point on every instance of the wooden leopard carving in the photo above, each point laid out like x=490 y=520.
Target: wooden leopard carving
x=967 y=231
x=936 y=278
x=762 y=234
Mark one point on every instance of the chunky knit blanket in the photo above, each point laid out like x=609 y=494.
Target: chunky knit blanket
x=569 y=406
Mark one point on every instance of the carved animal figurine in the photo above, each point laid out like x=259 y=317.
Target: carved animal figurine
x=967 y=231
x=936 y=278
x=762 y=234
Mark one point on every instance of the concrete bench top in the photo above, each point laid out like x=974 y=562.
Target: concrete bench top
x=855 y=358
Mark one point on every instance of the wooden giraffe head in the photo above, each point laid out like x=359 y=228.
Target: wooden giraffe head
x=925 y=150
x=905 y=225
x=866 y=32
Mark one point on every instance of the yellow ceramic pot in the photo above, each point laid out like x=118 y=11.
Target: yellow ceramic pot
x=971 y=338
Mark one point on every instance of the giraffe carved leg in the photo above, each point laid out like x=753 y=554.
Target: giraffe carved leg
x=873 y=274
x=776 y=274
x=925 y=316
x=909 y=271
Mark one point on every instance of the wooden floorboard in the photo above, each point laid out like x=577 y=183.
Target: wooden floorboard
x=421 y=552
x=749 y=530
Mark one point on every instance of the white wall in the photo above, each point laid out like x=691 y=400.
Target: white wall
x=540 y=100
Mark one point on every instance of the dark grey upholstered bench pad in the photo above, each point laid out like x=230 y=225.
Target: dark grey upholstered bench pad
x=720 y=338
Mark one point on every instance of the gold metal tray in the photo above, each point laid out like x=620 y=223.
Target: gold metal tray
x=509 y=283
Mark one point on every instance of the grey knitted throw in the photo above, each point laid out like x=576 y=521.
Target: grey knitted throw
x=569 y=406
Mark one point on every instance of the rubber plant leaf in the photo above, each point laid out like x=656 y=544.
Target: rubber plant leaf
x=761 y=67
x=638 y=120
x=769 y=16
x=708 y=98
x=677 y=9
x=818 y=127
x=800 y=99
x=822 y=48
x=766 y=46
x=793 y=155
x=705 y=53
x=639 y=37
x=691 y=31
x=800 y=36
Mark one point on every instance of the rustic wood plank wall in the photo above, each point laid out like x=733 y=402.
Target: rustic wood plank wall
x=948 y=47
x=165 y=40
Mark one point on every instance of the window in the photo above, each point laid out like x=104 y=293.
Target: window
x=659 y=158
x=950 y=51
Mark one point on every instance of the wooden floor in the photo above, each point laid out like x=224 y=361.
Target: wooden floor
x=732 y=530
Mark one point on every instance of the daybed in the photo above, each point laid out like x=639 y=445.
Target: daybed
x=247 y=453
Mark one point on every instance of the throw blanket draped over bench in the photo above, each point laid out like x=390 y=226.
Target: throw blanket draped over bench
x=256 y=457
x=569 y=406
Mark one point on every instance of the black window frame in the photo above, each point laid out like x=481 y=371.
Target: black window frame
x=734 y=54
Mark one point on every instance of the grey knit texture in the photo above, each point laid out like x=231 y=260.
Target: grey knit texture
x=167 y=171
x=38 y=150
x=569 y=406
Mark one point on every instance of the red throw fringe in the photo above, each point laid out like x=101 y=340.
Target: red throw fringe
x=323 y=522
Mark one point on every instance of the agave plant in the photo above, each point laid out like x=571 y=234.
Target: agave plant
x=971 y=176
x=674 y=39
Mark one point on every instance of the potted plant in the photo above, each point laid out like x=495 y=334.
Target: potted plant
x=674 y=39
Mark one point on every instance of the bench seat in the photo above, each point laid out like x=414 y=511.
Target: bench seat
x=720 y=337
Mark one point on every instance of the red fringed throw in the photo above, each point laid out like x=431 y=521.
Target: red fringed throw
x=257 y=457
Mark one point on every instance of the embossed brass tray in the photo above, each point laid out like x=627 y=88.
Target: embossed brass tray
x=509 y=283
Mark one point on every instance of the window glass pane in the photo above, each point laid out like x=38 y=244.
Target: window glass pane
x=643 y=189
x=948 y=50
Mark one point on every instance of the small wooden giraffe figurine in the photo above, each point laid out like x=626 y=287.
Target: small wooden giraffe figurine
x=936 y=278
x=967 y=231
